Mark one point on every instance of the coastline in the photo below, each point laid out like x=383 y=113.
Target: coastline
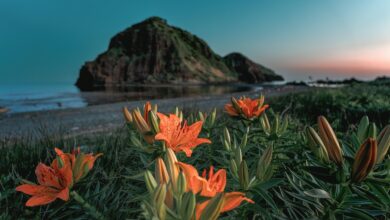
x=108 y=117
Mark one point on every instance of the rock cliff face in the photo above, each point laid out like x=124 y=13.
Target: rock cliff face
x=249 y=71
x=154 y=52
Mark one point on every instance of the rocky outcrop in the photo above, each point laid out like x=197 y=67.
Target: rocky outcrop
x=249 y=71
x=154 y=52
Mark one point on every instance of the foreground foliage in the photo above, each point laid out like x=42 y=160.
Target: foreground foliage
x=267 y=165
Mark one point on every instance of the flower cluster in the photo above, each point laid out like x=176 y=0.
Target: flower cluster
x=145 y=124
x=175 y=181
x=171 y=129
x=176 y=186
x=334 y=171
x=56 y=181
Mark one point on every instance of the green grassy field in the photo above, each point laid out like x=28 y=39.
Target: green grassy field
x=292 y=183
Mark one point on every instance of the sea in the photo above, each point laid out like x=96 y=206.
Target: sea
x=19 y=98
x=39 y=97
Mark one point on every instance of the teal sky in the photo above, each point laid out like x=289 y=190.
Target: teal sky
x=44 y=41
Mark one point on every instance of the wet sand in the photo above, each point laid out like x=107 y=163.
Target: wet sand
x=108 y=117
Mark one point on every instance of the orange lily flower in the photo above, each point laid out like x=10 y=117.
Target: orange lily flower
x=216 y=182
x=80 y=163
x=246 y=107
x=178 y=136
x=231 y=201
x=210 y=187
x=53 y=182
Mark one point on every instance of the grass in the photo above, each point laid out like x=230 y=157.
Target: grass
x=109 y=187
x=293 y=191
x=347 y=104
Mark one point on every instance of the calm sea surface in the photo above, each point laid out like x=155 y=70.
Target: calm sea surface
x=28 y=98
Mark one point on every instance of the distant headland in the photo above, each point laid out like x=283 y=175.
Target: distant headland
x=153 y=52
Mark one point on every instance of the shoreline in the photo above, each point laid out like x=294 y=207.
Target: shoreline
x=44 y=98
x=108 y=117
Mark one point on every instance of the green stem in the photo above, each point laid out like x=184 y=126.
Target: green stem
x=164 y=148
x=90 y=209
x=343 y=192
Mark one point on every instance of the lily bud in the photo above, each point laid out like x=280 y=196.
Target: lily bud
x=140 y=123
x=161 y=172
x=154 y=122
x=150 y=182
x=265 y=124
x=243 y=174
x=188 y=206
x=372 y=131
x=244 y=139
x=238 y=155
x=226 y=135
x=177 y=111
x=365 y=160
x=181 y=184
x=362 y=130
x=159 y=200
x=383 y=144
x=213 y=209
x=316 y=145
x=181 y=116
x=226 y=145
x=142 y=126
x=213 y=117
x=154 y=108
x=169 y=200
x=127 y=115
x=201 y=116
x=235 y=104
x=172 y=168
x=330 y=141
x=234 y=144
x=234 y=168
x=147 y=109
x=264 y=163
x=261 y=101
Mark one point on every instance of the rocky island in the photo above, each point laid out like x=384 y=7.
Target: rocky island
x=153 y=51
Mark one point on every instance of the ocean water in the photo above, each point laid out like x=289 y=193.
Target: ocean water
x=30 y=98
x=27 y=98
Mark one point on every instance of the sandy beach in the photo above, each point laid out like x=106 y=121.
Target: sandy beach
x=108 y=117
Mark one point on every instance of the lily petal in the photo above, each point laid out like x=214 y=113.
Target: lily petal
x=233 y=200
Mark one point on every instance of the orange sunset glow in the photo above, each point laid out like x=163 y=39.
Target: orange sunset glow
x=359 y=62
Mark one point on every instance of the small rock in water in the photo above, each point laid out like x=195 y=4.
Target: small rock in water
x=3 y=110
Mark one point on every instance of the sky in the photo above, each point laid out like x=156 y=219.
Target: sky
x=46 y=41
